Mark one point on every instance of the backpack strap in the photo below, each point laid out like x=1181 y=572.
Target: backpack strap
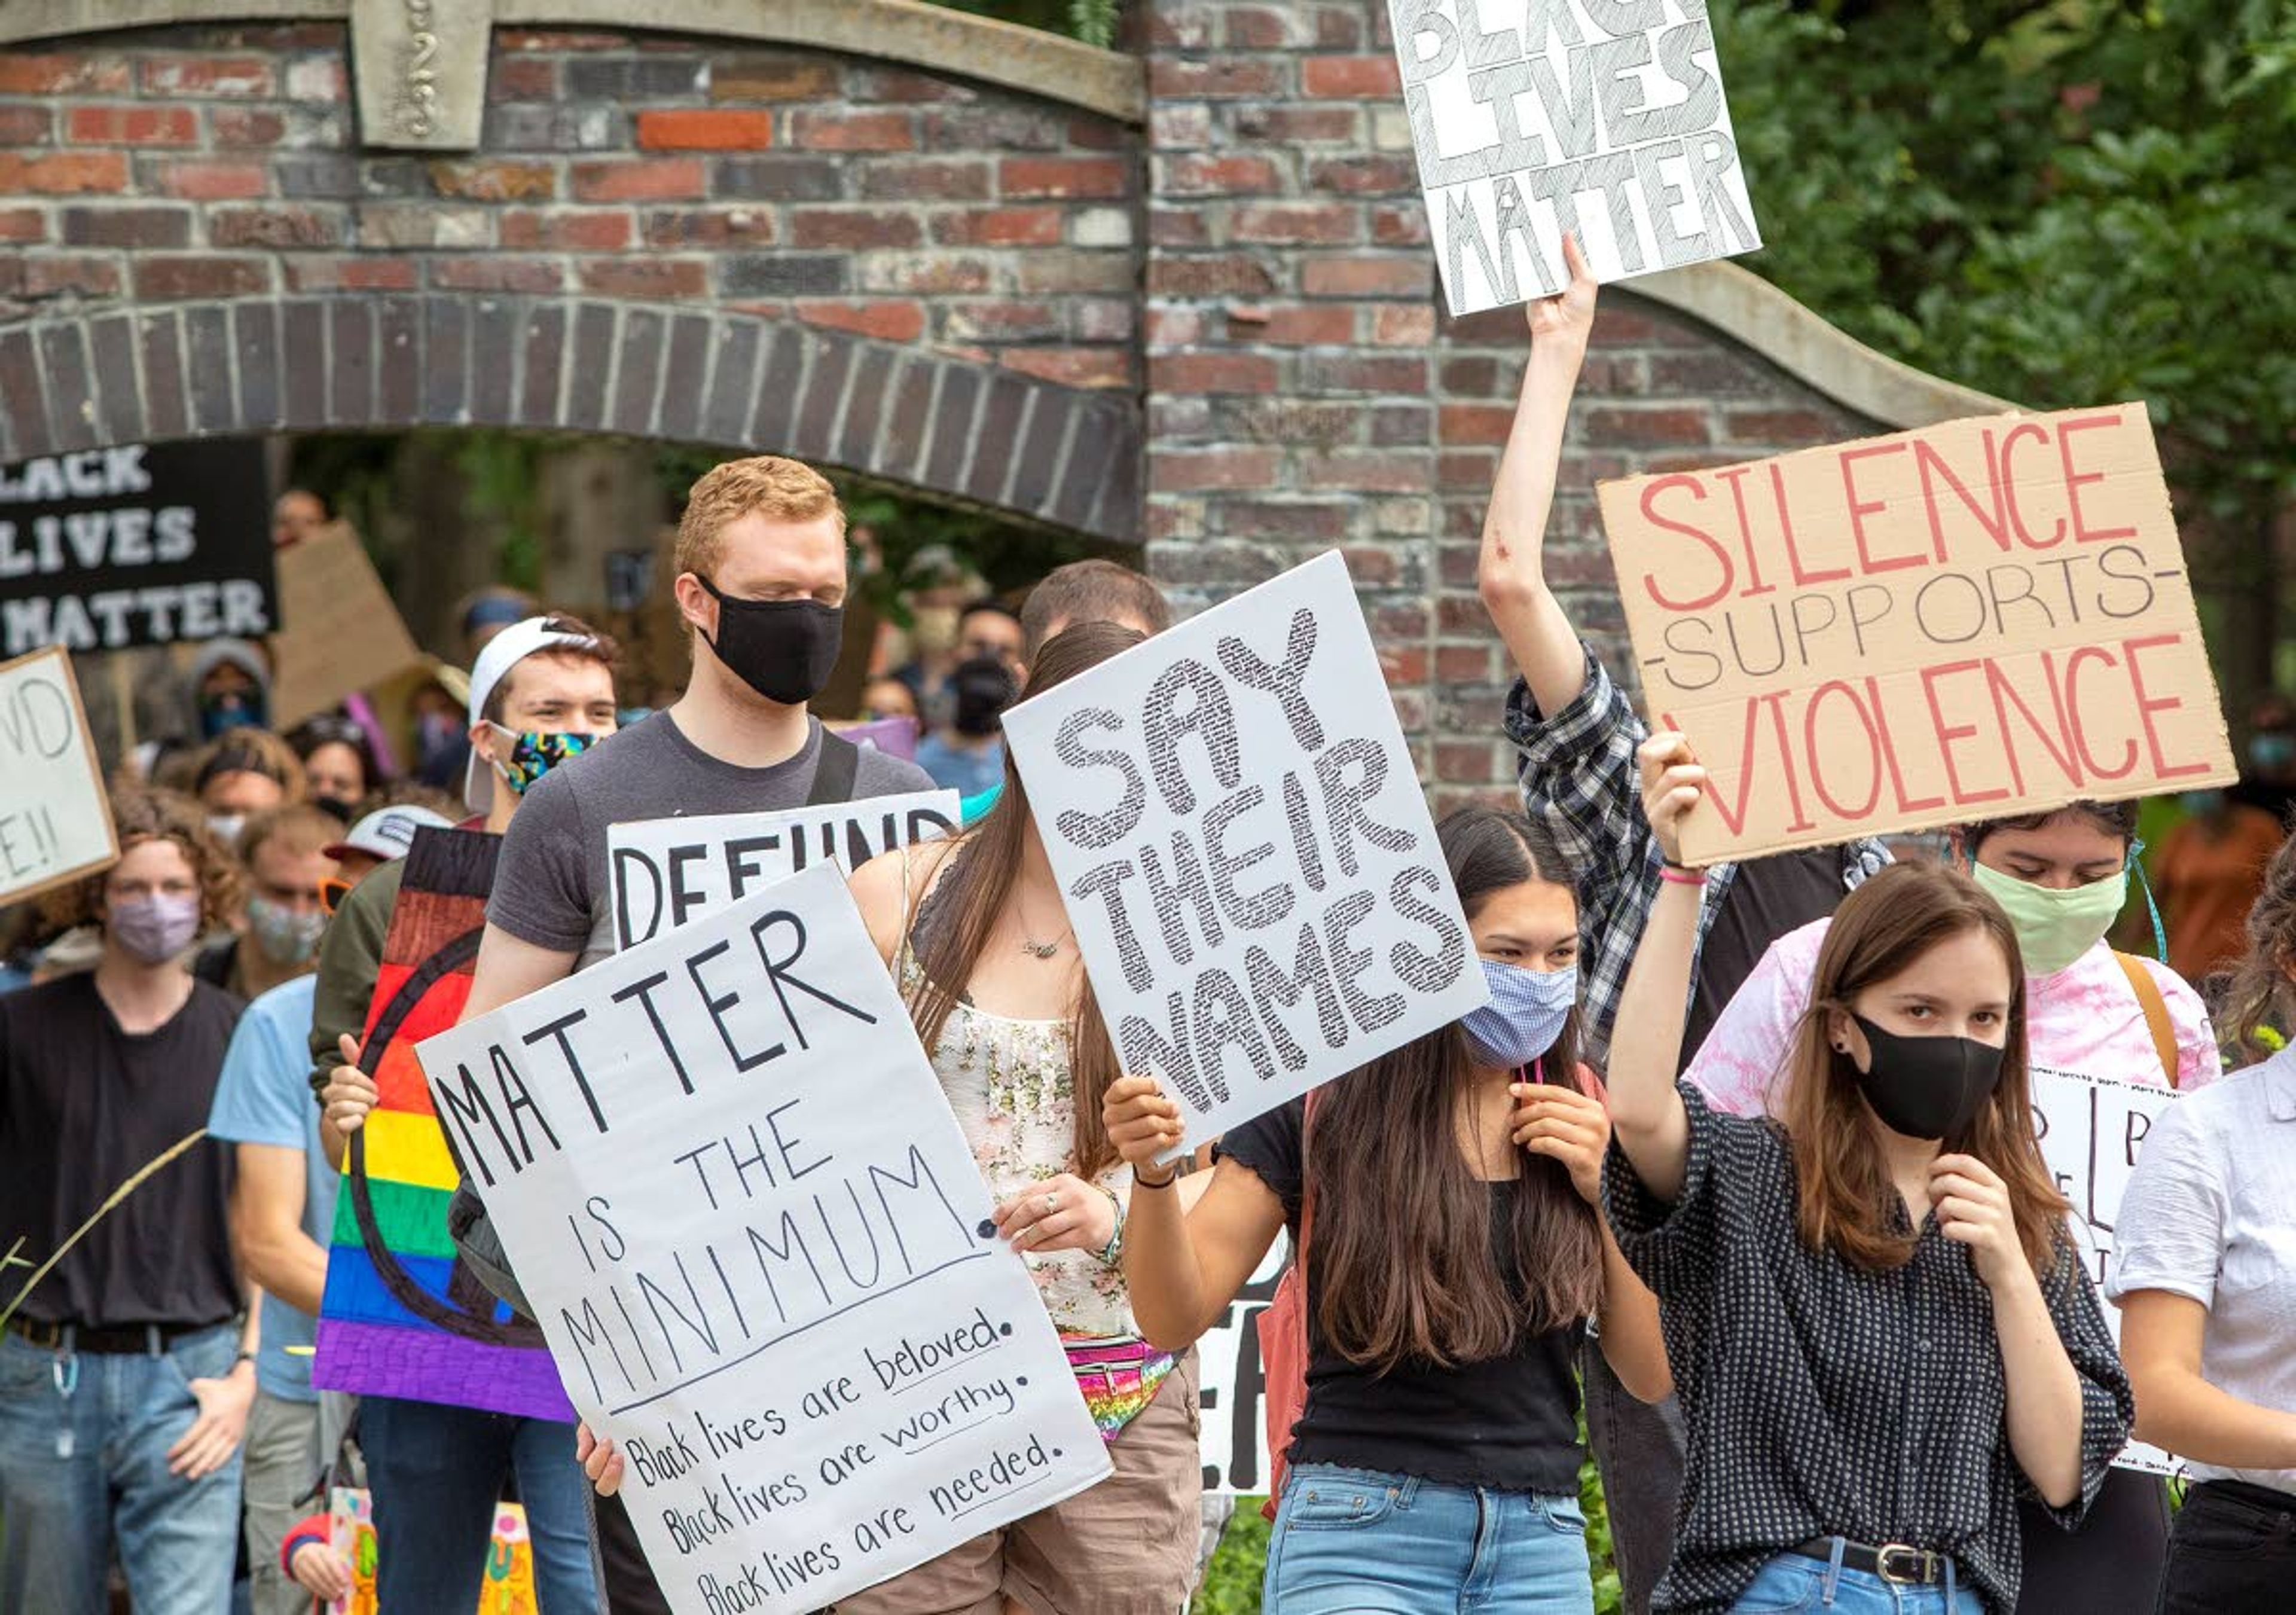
x=1307 y=1186
x=833 y=772
x=2150 y=999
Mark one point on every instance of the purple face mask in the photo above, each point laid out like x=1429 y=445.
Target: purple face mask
x=155 y=929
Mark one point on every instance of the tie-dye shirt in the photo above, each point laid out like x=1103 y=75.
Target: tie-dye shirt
x=2084 y=1018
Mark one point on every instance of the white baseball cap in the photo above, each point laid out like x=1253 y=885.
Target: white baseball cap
x=495 y=658
x=386 y=832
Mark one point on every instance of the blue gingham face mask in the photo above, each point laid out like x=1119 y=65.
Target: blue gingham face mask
x=1525 y=1015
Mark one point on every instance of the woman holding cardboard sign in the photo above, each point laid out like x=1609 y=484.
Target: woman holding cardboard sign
x=1444 y=1196
x=1881 y=1332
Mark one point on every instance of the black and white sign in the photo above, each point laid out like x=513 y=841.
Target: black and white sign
x=1538 y=118
x=1240 y=838
x=148 y=545
x=1234 y=1385
x=55 y=816
x=762 y=1255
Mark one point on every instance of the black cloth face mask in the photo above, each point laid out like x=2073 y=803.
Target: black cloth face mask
x=1926 y=1087
x=784 y=650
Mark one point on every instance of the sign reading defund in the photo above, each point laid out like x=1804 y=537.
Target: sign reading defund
x=56 y=817
x=761 y=1254
x=1539 y=118
x=1239 y=836
x=1981 y=619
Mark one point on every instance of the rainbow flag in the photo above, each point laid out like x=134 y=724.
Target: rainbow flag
x=400 y=1316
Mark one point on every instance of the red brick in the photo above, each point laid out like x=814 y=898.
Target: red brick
x=366 y=272
x=90 y=276
x=645 y=276
x=646 y=179
x=603 y=230
x=1175 y=471
x=773 y=78
x=1364 y=176
x=1220 y=78
x=1402 y=664
x=1179 y=226
x=247 y=77
x=1786 y=428
x=274 y=227
x=705 y=129
x=1228 y=274
x=197 y=180
x=1367 y=469
x=161 y=277
x=1466 y=471
x=890 y=320
x=1465 y=664
x=132 y=127
x=1355 y=373
x=999 y=227
x=23 y=224
x=1350 y=78
x=63 y=173
x=1365 y=277
x=683 y=229
x=1072 y=366
x=1463 y=423
x=494 y=181
x=494 y=271
x=1093 y=176
x=1260 y=28
x=245 y=127
x=853 y=131
x=1295 y=325
x=1402 y=325
x=1249 y=373
x=1405 y=225
x=855 y=228
x=522 y=78
x=1211 y=174
x=25 y=126
x=61 y=75
x=1466 y=762
x=1301 y=126
x=914 y=89
x=1296 y=224
x=1647 y=428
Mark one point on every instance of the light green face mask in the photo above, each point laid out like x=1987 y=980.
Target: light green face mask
x=2055 y=928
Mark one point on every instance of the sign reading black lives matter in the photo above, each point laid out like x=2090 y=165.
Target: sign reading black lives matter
x=760 y=1250
x=149 y=545
x=1538 y=118
x=1246 y=858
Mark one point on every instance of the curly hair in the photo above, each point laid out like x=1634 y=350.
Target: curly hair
x=779 y=489
x=140 y=815
x=2257 y=1003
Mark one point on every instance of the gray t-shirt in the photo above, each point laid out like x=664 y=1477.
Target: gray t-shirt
x=551 y=885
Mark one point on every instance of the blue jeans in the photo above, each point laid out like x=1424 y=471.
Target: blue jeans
x=1357 y=1541
x=437 y=1473
x=84 y=1440
x=1790 y=1584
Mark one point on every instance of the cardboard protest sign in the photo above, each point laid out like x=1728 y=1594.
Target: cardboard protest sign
x=340 y=632
x=2091 y=1129
x=1232 y=1385
x=1986 y=617
x=400 y=1316
x=1238 y=832
x=664 y=872
x=55 y=816
x=1538 y=118
x=142 y=545
x=762 y=1253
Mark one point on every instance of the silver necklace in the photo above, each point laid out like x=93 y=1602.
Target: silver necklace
x=1030 y=946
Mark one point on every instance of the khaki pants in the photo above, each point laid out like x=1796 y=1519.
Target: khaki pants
x=283 y=1460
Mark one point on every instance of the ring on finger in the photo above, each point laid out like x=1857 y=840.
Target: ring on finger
x=1053 y=1201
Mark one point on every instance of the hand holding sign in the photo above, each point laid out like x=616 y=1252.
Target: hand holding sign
x=1672 y=784
x=1143 y=1126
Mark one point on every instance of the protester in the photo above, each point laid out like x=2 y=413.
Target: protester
x=888 y=697
x=2207 y=875
x=308 y=1555
x=297 y=514
x=760 y=583
x=487 y=611
x=988 y=629
x=2268 y=782
x=284 y=854
x=1576 y=733
x=1881 y=1332
x=2204 y=1270
x=382 y=837
x=248 y=772
x=442 y=744
x=127 y=1377
x=1454 y=1261
x=231 y=688
x=966 y=754
x=339 y=763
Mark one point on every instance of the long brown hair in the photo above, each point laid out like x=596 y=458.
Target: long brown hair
x=1402 y=1264
x=1847 y=1197
x=976 y=884
x=2261 y=993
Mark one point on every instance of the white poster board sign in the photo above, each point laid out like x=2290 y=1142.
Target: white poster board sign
x=1238 y=832
x=665 y=872
x=761 y=1253
x=2091 y=1129
x=1233 y=1385
x=55 y=816
x=1538 y=118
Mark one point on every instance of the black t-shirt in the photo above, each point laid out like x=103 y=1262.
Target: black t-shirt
x=1510 y=1422
x=83 y=1107
x=1767 y=898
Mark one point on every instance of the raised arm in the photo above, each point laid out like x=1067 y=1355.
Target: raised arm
x=1646 y=1112
x=1511 y=574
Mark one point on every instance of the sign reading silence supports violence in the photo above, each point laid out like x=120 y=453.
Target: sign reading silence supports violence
x=1986 y=617
x=762 y=1255
x=141 y=545
x=1538 y=118
x=1240 y=842
x=56 y=817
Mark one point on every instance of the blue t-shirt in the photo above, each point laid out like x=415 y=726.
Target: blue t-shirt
x=264 y=1097
x=966 y=773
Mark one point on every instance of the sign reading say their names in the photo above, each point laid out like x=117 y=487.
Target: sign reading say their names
x=1535 y=119
x=146 y=544
x=761 y=1252
x=1238 y=832
x=664 y=872
x=1985 y=618
x=2091 y=1129
x=55 y=816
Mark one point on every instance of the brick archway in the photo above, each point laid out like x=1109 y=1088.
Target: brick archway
x=1002 y=438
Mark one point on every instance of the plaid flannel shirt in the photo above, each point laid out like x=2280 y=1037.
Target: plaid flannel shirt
x=1579 y=778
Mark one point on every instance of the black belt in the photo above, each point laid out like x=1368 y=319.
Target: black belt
x=1893 y=1562
x=149 y=1340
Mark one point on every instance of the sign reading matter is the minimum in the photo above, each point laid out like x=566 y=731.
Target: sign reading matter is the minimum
x=1238 y=832
x=1981 y=619
x=1538 y=118
x=761 y=1252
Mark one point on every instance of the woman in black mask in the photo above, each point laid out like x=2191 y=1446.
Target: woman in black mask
x=1879 y=1331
